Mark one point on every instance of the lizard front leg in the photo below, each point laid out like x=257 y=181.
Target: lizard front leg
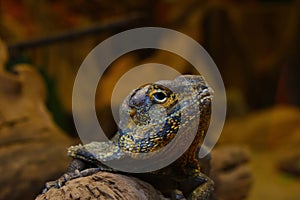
x=77 y=168
x=203 y=191
x=198 y=187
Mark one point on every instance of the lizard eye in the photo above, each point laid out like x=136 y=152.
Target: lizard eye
x=159 y=97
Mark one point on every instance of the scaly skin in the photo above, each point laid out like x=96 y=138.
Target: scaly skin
x=150 y=118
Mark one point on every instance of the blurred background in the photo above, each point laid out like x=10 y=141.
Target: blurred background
x=254 y=43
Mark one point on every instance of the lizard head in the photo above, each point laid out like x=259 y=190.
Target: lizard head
x=150 y=96
x=152 y=114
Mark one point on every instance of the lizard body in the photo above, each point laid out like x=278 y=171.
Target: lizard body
x=150 y=118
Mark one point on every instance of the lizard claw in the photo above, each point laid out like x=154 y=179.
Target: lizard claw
x=60 y=181
x=177 y=195
x=49 y=185
x=69 y=176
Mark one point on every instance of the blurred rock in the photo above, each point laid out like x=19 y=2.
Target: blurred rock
x=32 y=147
x=230 y=169
x=291 y=165
x=273 y=128
x=273 y=136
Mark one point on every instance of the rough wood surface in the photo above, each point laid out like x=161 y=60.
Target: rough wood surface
x=104 y=185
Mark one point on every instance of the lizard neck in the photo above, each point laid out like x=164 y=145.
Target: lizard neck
x=188 y=161
x=152 y=139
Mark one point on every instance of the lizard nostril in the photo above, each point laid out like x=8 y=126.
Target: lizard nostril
x=137 y=101
x=139 y=98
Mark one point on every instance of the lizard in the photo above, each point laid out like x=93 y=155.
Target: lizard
x=150 y=118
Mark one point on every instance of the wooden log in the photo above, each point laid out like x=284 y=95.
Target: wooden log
x=103 y=185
